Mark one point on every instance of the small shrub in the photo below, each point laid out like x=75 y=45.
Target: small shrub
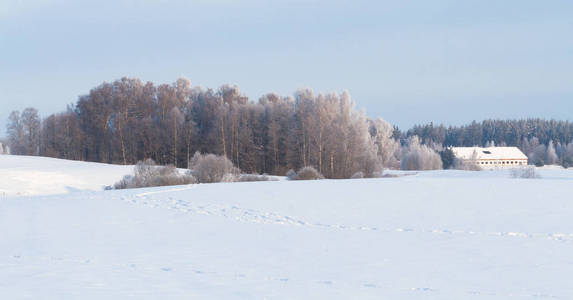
x=525 y=172
x=307 y=173
x=229 y=177
x=148 y=174
x=567 y=162
x=393 y=175
x=146 y=169
x=416 y=156
x=357 y=175
x=256 y=177
x=291 y=174
x=169 y=175
x=466 y=165
x=127 y=182
x=209 y=168
x=379 y=174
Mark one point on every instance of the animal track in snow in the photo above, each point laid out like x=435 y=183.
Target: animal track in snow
x=249 y=215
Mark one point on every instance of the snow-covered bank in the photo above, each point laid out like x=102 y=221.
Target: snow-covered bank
x=33 y=175
x=433 y=235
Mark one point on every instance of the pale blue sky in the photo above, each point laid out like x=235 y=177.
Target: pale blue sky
x=446 y=61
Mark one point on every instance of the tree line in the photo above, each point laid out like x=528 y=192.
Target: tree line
x=127 y=121
x=543 y=141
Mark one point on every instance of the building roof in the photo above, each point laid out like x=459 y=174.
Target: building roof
x=488 y=153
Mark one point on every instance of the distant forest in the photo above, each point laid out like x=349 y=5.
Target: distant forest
x=543 y=141
x=506 y=132
x=129 y=120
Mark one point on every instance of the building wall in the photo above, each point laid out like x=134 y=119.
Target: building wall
x=500 y=163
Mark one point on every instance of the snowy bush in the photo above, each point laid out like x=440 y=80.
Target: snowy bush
x=4 y=149
x=387 y=148
x=306 y=173
x=209 y=168
x=357 y=175
x=256 y=177
x=168 y=175
x=567 y=160
x=419 y=157
x=291 y=174
x=538 y=154
x=525 y=172
x=551 y=157
x=468 y=164
x=146 y=169
x=128 y=182
x=148 y=174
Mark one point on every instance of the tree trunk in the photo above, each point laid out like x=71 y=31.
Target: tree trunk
x=223 y=138
x=122 y=143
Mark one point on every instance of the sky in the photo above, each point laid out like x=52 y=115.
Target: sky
x=409 y=62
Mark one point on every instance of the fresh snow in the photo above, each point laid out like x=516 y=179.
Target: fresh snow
x=429 y=235
x=33 y=175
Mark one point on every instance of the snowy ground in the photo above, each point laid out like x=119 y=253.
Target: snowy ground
x=32 y=175
x=433 y=235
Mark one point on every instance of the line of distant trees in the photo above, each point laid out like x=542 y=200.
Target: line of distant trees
x=129 y=120
x=543 y=141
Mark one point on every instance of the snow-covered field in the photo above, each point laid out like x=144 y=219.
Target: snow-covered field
x=32 y=175
x=433 y=235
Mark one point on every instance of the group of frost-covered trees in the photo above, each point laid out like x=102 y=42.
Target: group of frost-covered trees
x=23 y=132
x=128 y=120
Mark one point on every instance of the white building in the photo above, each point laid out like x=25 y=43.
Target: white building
x=491 y=157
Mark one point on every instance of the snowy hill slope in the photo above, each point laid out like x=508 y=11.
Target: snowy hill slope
x=434 y=235
x=32 y=175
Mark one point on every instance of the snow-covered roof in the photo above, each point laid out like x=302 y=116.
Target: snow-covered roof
x=488 y=153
